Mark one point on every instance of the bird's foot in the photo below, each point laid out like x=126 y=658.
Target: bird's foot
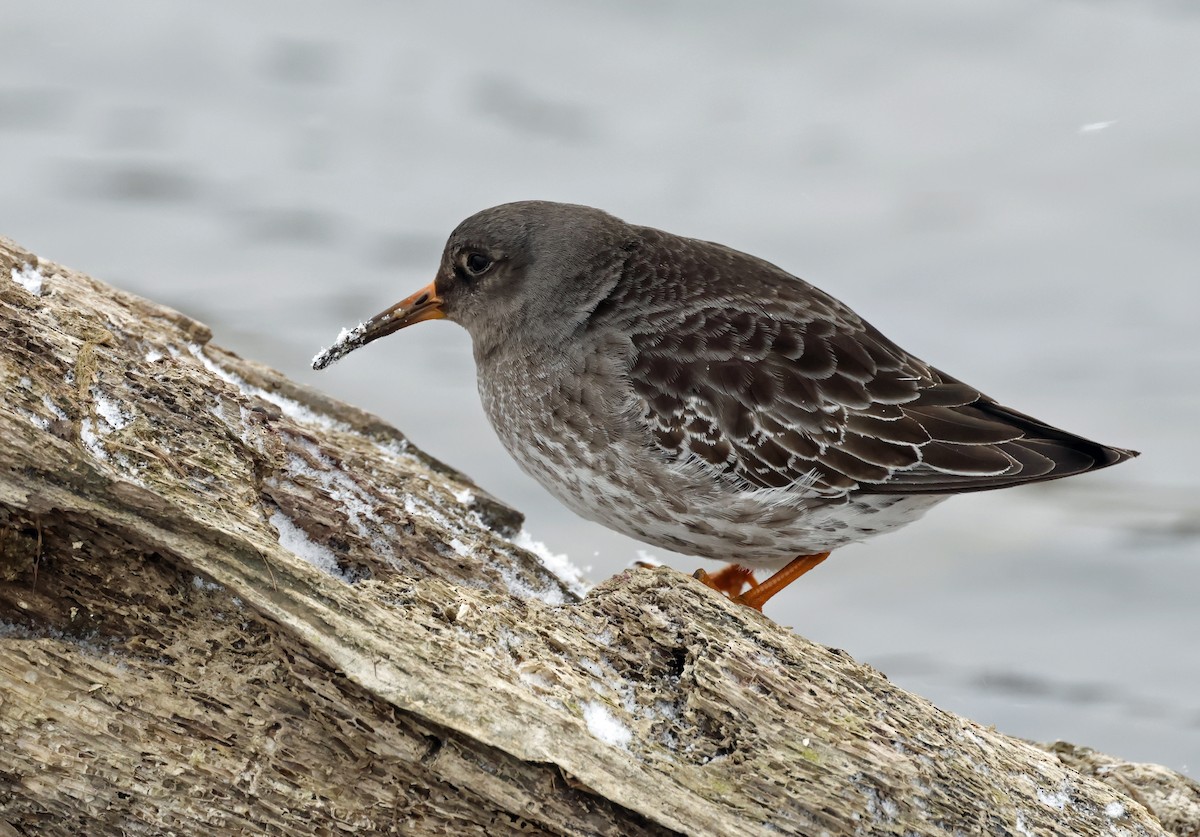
x=731 y=580
x=757 y=596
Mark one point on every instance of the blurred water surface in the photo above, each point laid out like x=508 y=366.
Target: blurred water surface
x=1008 y=189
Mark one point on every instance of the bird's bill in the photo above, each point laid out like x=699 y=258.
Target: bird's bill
x=425 y=304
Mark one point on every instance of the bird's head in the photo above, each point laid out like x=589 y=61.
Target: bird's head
x=531 y=271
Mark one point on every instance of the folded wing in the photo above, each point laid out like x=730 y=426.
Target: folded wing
x=792 y=389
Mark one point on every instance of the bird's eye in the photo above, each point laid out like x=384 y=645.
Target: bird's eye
x=476 y=263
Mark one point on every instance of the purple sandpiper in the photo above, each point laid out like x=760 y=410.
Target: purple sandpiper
x=706 y=401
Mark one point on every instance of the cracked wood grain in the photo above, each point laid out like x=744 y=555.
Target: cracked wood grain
x=258 y=610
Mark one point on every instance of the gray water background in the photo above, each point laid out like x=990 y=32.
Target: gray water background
x=1010 y=190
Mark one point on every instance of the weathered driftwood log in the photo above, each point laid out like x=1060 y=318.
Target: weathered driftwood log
x=231 y=605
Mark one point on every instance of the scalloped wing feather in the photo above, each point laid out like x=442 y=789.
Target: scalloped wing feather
x=770 y=380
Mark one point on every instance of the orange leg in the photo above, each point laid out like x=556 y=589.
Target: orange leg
x=731 y=580
x=758 y=596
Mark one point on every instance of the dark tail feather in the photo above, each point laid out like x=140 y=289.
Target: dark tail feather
x=1071 y=454
x=1043 y=452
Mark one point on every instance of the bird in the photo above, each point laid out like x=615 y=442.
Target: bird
x=706 y=401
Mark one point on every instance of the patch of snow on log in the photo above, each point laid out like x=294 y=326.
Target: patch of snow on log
x=560 y=565
x=289 y=407
x=30 y=278
x=296 y=541
x=605 y=726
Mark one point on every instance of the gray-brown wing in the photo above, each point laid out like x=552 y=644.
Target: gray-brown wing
x=792 y=388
